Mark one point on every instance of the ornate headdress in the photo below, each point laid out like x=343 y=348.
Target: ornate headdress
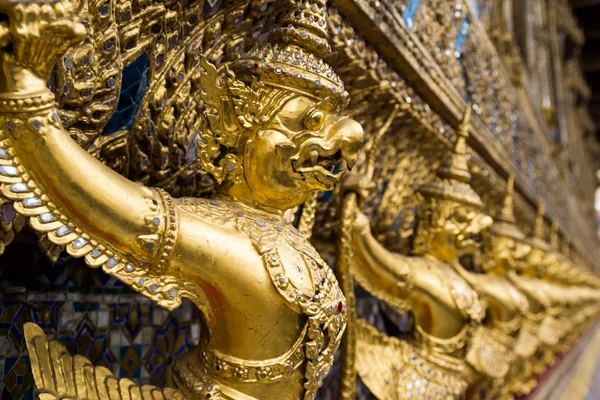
x=453 y=177
x=452 y=185
x=292 y=57
x=505 y=221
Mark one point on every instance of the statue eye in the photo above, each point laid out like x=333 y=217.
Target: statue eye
x=314 y=120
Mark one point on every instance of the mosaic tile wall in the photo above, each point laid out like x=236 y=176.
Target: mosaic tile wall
x=94 y=316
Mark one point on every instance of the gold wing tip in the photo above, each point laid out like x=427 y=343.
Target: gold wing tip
x=46 y=368
x=32 y=331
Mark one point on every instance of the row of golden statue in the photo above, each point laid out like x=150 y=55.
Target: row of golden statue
x=273 y=312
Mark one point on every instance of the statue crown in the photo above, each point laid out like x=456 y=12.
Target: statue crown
x=505 y=224
x=554 y=236
x=292 y=57
x=538 y=230
x=453 y=177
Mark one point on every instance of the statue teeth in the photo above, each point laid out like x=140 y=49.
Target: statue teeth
x=3 y=154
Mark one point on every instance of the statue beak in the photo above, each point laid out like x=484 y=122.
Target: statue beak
x=351 y=133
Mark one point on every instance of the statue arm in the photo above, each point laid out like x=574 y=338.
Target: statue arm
x=82 y=204
x=57 y=175
x=468 y=276
x=106 y=205
x=391 y=270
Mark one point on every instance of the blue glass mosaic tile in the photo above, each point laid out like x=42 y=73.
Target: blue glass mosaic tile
x=409 y=12
x=462 y=35
x=134 y=85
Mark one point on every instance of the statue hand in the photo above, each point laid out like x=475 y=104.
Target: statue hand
x=362 y=223
x=359 y=184
x=36 y=35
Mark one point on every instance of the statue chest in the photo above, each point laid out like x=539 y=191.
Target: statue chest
x=451 y=291
x=505 y=302
x=291 y=263
x=301 y=279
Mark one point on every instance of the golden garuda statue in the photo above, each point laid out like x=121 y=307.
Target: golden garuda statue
x=505 y=250
x=440 y=358
x=270 y=135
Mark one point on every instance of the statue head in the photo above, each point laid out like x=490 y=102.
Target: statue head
x=449 y=217
x=504 y=243
x=273 y=133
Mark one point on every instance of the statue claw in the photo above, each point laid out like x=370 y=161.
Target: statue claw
x=359 y=184
x=39 y=33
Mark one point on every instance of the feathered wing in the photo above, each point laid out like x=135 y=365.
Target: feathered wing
x=378 y=356
x=395 y=369
x=59 y=375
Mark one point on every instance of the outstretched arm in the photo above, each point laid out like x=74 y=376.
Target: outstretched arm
x=391 y=271
x=103 y=203
x=472 y=278
x=81 y=203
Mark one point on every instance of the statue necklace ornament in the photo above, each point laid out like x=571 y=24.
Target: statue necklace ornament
x=271 y=136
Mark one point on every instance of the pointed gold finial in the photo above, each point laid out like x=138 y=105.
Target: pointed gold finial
x=506 y=223
x=538 y=239
x=566 y=247
x=456 y=165
x=538 y=230
x=554 y=236
x=507 y=214
x=453 y=177
x=463 y=128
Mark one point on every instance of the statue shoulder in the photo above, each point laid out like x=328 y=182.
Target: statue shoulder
x=213 y=211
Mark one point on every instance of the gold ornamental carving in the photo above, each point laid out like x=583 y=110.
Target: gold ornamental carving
x=270 y=136
x=229 y=187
